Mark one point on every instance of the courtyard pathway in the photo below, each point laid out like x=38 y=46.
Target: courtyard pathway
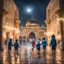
x=27 y=56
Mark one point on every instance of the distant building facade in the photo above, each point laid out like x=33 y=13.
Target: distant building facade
x=9 y=21
x=55 y=19
x=32 y=30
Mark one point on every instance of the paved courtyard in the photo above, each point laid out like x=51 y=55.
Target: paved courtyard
x=27 y=56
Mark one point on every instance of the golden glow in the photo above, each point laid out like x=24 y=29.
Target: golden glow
x=11 y=28
x=28 y=24
x=4 y=35
x=11 y=36
x=49 y=33
x=59 y=37
x=60 y=19
x=17 y=21
x=4 y=55
x=45 y=33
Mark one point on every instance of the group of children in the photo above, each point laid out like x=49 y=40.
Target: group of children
x=44 y=44
x=16 y=45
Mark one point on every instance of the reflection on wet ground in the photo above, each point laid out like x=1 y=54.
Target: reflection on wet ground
x=27 y=56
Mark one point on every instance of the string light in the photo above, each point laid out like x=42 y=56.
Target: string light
x=10 y=28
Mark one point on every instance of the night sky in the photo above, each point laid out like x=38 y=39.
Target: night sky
x=38 y=10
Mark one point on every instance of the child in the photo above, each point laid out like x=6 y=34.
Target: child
x=16 y=45
x=53 y=43
x=10 y=45
x=33 y=45
x=44 y=44
x=38 y=47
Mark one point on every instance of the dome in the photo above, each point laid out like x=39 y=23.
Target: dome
x=32 y=23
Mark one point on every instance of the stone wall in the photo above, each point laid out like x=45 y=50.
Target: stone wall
x=9 y=20
x=1 y=15
x=38 y=31
x=53 y=14
x=52 y=8
x=10 y=7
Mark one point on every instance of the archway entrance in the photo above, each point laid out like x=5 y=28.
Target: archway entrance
x=32 y=35
x=7 y=35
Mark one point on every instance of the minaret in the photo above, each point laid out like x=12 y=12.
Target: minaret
x=33 y=18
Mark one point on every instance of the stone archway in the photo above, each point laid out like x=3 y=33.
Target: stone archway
x=20 y=37
x=7 y=35
x=32 y=35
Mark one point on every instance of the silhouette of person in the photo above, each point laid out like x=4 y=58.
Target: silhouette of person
x=44 y=44
x=33 y=45
x=16 y=45
x=53 y=43
x=38 y=47
x=10 y=44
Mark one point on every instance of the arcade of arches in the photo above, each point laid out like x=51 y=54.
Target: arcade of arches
x=9 y=21
x=32 y=35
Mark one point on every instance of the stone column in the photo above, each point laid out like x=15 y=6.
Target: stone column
x=48 y=30
x=1 y=28
x=48 y=24
x=61 y=21
x=2 y=13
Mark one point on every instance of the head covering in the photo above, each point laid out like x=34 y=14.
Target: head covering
x=10 y=39
x=16 y=40
x=53 y=36
x=43 y=38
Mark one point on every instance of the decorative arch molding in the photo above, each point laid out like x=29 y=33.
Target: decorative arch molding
x=33 y=32
x=7 y=35
x=32 y=35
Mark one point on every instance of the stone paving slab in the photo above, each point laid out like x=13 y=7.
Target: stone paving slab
x=29 y=57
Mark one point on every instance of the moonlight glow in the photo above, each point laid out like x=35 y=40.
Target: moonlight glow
x=29 y=10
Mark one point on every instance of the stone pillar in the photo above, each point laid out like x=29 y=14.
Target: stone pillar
x=2 y=13
x=61 y=28
x=48 y=24
x=1 y=28
x=61 y=21
x=48 y=30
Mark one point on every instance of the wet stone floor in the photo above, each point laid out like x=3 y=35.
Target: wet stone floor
x=27 y=56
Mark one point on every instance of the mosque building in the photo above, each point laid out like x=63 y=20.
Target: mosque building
x=32 y=30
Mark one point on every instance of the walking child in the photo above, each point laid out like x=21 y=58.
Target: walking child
x=16 y=45
x=44 y=44
x=33 y=45
x=10 y=45
x=53 y=43
x=38 y=47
